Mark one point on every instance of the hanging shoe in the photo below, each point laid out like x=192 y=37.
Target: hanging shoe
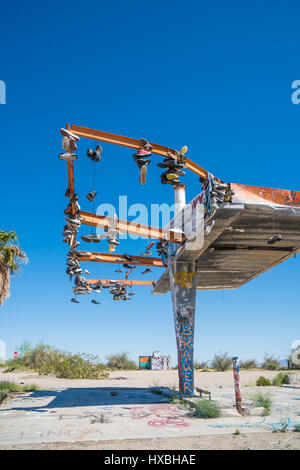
x=95 y=302
x=127 y=266
x=274 y=239
x=75 y=301
x=91 y=238
x=148 y=270
x=91 y=196
x=69 y=157
x=95 y=155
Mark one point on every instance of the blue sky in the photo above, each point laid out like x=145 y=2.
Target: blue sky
x=215 y=76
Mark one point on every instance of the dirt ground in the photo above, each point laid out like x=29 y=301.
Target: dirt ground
x=266 y=441
x=142 y=378
x=83 y=414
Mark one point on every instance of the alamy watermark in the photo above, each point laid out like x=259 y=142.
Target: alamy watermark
x=135 y=220
x=2 y=92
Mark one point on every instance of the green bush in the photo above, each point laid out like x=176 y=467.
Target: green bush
x=263 y=382
x=221 y=361
x=206 y=408
x=6 y=386
x=74 y=366
x=271 y=363
x=47 y=360
x=262 y=399
x=280 y=379
x=120 y=361
x=249 y=364
x=296 y=428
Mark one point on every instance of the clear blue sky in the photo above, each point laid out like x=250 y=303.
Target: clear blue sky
x=215 y=76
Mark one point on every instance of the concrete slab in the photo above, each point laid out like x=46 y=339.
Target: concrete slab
x=92 y=414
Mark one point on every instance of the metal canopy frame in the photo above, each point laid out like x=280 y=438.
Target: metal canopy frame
x=124 y=226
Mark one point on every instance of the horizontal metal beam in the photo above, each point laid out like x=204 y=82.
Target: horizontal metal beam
x=132 y=143
x=127 y=283
x=121 y=259
x=124 y=226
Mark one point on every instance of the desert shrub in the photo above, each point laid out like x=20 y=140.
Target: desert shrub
x=283 y=426
x=50 y=361
x=74 y=366
x=206 y=408
x=13 y=364
x=221 y=361
x=262 y=399
x=280 y=379
x=201 y=365
x=263 y=382
x=6 y=386
x=249 y=364
x=120 y=361
x=296 y=428
x=271 y=363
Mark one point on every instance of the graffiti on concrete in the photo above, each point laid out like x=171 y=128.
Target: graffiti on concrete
x=161 y=416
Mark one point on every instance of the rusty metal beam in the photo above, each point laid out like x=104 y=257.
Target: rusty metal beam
x=132 y=143
x=127 y=283
x=253 y=194
x=121 y=259
x=124 y=226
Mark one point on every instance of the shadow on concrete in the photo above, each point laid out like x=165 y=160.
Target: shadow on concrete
x=81 y=397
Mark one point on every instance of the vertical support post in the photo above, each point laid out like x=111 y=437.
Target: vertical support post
x=183 y=288
x=236 y=377
x=179 y=195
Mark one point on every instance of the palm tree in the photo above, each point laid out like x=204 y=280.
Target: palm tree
x=11 y=256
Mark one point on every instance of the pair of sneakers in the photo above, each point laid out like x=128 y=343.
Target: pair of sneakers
x=69 y=145
x=95 y=155
x=141 y=159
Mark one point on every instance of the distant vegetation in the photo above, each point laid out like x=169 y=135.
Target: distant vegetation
x=50 y=361
x=271 y=363
x=201 y=365
x=121 y=361
x=249 y=364
x=221 y=361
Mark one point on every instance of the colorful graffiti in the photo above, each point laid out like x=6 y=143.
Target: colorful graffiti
x=161 y=416
x=155 y=362
x=183 y=288
x=236 y=378
x=145 y=362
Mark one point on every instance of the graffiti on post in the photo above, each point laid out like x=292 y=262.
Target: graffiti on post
x=183 y=287
x=236 y=377
x=187 y=360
